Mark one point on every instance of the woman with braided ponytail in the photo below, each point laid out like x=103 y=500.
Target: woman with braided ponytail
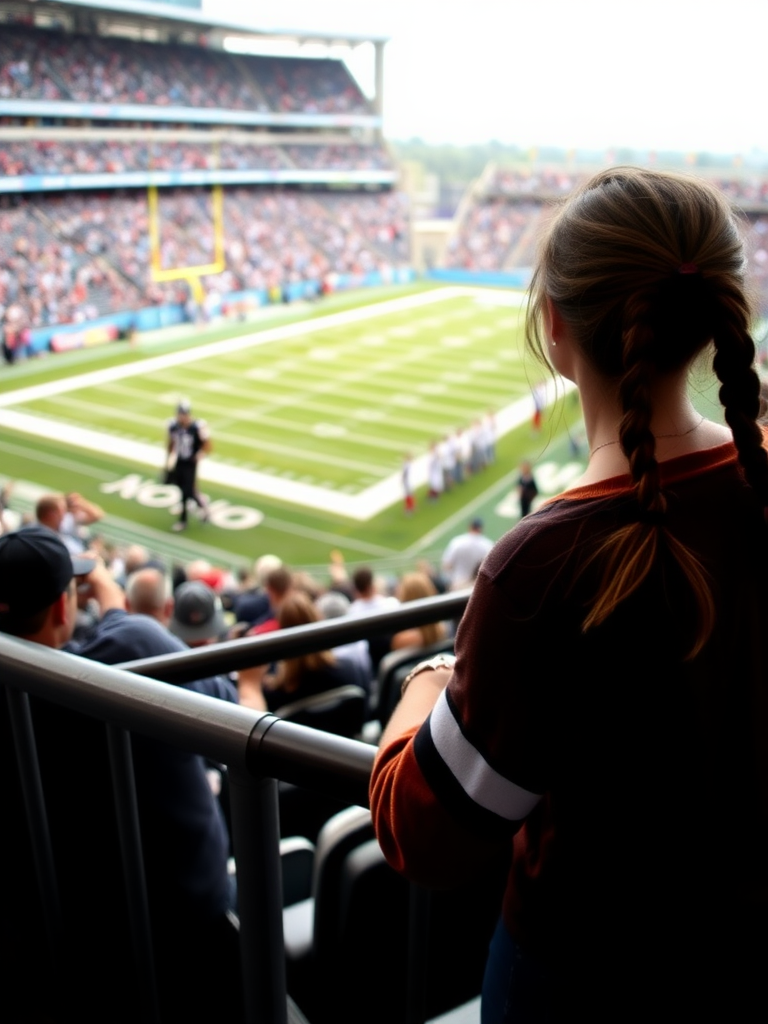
x=606 y=715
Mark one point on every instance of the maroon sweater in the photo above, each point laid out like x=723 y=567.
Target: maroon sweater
x=633 y=780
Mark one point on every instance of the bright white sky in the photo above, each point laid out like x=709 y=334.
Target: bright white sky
x=661 y=74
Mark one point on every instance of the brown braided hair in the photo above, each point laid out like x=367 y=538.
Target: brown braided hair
x=646 y=269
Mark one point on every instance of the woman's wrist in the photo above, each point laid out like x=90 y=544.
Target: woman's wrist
x=441 y=662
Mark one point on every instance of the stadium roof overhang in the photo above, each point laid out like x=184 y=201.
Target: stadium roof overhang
x=183 y=17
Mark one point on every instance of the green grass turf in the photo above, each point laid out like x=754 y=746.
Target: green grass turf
x=334 y=408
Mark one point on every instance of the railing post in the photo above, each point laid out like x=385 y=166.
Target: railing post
x=37 y=819
x=256 y=835
x=127 y=813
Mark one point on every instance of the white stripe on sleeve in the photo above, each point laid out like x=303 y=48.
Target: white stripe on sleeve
x=480 y=782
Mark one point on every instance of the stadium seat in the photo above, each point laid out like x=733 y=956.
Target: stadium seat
x=341 y=711
x=393 y=670
x=347 y=945
x=340 y=942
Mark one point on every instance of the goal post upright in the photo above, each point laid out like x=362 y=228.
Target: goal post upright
x=190 y=274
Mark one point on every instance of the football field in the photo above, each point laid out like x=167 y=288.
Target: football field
x=311 y=411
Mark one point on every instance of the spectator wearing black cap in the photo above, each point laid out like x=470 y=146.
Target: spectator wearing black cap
x=198 y=615
x=184 y=835
x=189 y=440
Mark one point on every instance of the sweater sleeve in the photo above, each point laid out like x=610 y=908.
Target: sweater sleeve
x=445 y=795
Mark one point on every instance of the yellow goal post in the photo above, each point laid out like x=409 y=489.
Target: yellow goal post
x=191 y=275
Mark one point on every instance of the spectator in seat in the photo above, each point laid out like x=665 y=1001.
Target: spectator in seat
x=278 y=584
x=335 y=605
x=294 y=678
x=252 y=606
x=148 y=592
x=369 y=600
x=412 y=587
x=198 y=615
x=184 y=836
x=69 y=515
x=464 y=555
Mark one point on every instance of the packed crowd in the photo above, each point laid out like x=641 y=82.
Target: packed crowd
x=539 y=181
x=73 y=256
x=62 y=587
x=548 y=182
x=495 y=234
x=298 y=84
x=113 y=156
x=499 y=232
x=43 y=65
x=337 y=157
x=48 y=278
x=200 y=602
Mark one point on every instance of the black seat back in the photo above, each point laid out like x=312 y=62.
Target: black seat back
x=340 y=711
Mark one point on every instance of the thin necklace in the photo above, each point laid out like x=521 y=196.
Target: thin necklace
x=684 y=433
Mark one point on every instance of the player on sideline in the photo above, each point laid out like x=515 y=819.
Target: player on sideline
x=189 y=440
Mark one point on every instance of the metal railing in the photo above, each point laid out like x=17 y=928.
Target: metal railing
x=257 y=747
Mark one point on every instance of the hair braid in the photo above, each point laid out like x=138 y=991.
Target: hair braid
x=645 y=269
x=740 y=389
x=629 y=553
x=637 y=441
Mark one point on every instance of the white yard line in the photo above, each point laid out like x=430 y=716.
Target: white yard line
x=216 y=348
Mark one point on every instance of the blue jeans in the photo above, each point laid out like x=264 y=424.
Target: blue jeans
x=515 y=987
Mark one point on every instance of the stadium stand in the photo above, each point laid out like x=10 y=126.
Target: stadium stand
x=498 y=222
x=88 y=122
x=52 y=65
x=77 y=256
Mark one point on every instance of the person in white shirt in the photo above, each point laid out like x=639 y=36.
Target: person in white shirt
x=464 y=554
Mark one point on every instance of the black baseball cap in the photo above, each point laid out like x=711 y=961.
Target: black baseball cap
x=35 y=569
x=197 y=613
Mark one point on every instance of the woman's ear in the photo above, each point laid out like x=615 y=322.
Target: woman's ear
x=553 y=323
x=560 y=347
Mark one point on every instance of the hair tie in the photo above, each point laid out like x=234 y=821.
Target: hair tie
x=688 y=268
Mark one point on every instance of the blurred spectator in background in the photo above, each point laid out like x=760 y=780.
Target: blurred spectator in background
x=198 y=616
x=464 y=555
x=412 y=587
x=295 y=678
x=148 y=592
x=335 y=605
x=278 y=584
x=527 y=488
x=70 y=516
x=368 y=600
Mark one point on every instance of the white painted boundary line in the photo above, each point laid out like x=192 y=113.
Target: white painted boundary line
x=360 y=507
